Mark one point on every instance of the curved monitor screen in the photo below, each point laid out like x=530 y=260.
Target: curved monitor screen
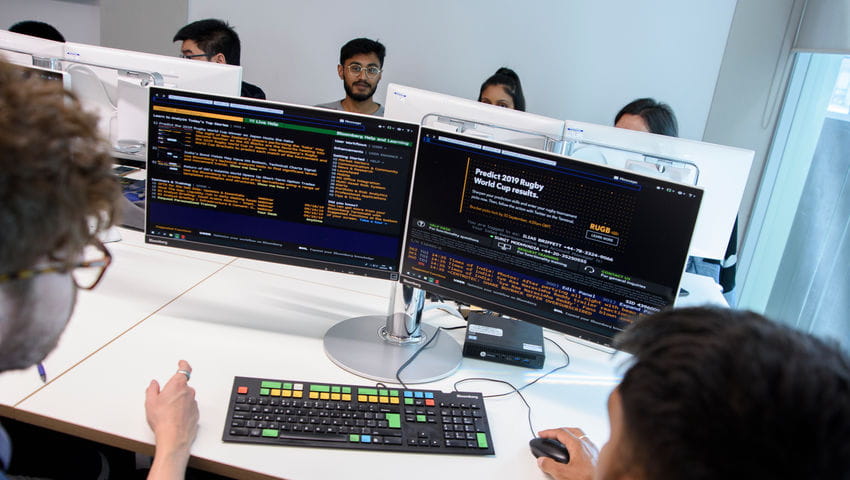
x=298 y=185
x=577 y=247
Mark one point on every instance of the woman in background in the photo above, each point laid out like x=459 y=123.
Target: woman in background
x=503 y=89
x=647 y=115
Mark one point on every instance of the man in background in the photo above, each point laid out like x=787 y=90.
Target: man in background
x=38 y=29
x=361 y=62
x=213 y=40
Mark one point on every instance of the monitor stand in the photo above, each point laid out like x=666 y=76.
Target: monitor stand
x=375 y=346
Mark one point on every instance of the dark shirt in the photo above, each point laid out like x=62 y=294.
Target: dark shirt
x=252 y=91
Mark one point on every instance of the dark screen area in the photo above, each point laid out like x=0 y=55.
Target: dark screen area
x=572 y=246
x=305 y=186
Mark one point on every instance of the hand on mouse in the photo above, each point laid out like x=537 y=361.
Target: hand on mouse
x=583 y=455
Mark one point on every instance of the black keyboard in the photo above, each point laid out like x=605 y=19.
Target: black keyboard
x=305 y=414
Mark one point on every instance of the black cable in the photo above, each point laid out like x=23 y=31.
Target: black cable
x=527 y=406
x=518 y=390
x=541 y=377
x=417 y=352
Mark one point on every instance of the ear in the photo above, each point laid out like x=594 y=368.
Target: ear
x=218 y=58
x=340 y=70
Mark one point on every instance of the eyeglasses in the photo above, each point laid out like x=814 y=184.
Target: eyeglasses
x=194 y=55
x=356 y=69
x=86 y=273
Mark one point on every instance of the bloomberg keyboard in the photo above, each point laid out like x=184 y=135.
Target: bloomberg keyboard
x=305 y=414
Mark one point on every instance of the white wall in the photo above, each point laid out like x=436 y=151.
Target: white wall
x=77 y=20
x=581 y=60
x=141 y=25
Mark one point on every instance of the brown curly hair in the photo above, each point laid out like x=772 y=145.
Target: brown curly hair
x=57 y=189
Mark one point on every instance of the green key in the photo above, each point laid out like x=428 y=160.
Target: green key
x=354 y=438
x=287 y=386
x=393 y=393
x=346 y=389
x=334 y=389
x=421 y=418
x=367 y=391
x=270 y=432
x=482 y=440
x=264 y=391
x=394 y=420
x=408 y=401
x=384 y=393
x=267 y=384
x=320 y=388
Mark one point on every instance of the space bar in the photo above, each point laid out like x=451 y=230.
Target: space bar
x=313 y=438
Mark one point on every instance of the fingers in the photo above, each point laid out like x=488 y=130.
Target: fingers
x=181 y=376
x=547 y=465
x=152 y=391
x=184 y=365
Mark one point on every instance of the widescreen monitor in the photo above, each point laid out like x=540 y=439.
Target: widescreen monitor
x=473 y=118
x=719 y=170
x=25 y=50
x=113 y=83
x=46 y=74
x=289 y=184
x=569 y=245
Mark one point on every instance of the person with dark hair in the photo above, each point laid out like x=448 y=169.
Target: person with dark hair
x=717 y=393
x=361 y=62
x=37 y=29
x=647 y=115
x=213 y=40
x=503 y=89
x=57 y=193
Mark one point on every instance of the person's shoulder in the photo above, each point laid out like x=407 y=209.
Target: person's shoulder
x=252 y=91
x=335 y=105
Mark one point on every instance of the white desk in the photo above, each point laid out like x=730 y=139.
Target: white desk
x=125 y=297
x=248 y=318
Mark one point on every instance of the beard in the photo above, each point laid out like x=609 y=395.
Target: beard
x=359 y=97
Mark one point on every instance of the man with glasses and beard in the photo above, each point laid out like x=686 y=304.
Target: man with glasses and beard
x=360 y=64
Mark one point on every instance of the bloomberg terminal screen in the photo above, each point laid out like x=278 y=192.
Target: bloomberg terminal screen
x=573 y=246
x=305 y=186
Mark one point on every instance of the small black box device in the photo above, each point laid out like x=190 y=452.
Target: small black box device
x=505 y=340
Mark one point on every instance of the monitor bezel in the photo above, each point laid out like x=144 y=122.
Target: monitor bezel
x=329 y=266
x=501 y=308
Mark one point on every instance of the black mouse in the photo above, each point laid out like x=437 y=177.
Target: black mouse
x=549 y=447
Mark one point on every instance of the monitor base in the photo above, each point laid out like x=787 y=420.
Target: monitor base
x=361 y=346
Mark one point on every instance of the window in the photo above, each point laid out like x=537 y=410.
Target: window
x=797 y=251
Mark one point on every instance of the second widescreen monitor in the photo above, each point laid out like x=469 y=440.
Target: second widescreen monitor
x=305 y=186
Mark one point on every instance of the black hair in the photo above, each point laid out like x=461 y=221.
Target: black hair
x=213 y=36
x=658 y=116
x=362 y=46
x=509 y=80
x=721 y=393
x=37 y=29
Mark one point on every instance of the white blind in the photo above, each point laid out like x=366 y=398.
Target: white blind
x=825 y=27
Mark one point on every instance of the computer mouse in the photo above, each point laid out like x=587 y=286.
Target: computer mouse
x=549 y=447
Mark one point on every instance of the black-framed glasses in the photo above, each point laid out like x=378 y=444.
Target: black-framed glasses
x=371 y=71
x=195 y=55
x=87 y=272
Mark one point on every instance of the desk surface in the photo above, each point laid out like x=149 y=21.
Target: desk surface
x=232 y=317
